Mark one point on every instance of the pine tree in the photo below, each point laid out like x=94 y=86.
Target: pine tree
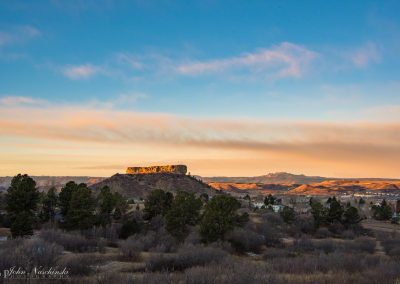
x=288 y=214
x=21 y=203
x=49 y=204
x=65 y=196
x=220 y=216
x=106 y=204
x=184 y=212
x=81 y=209
x=158 y=202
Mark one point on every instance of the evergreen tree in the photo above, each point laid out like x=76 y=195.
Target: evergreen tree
x=184 y=212
x=382 y=211
x=65 y=196
x=158 y=202
x=129 y=227
x=22 y=224
x=220 y=216
x=248 y=198
x=81 y=209
x=106 y=203
x=319 y=213
x=49 y=204
x=335 y=211
x=121 y=206
x=288 y=214
x=269 y=200
x=351 y=216
x=361 y=201
x=204 y=197
x=21 y=202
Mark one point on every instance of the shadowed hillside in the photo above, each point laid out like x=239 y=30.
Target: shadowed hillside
x=139 y=185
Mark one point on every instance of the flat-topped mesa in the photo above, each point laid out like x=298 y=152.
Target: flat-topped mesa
x=172 y=169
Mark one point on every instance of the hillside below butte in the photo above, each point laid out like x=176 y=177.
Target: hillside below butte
x=139 y=185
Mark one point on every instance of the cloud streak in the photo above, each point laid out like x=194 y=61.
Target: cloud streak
x=19 y=100
x=18 y=34
x=284 y=60
x=365 y=55
x=90 y=136
x=83 y=71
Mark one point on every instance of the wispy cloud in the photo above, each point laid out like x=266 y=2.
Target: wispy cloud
x=284 y=60
x=84 y=71
x=365 y=55
x=349 y=148
x=18 y=101
x=18 y=34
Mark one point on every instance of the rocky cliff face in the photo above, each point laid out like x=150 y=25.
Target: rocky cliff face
x=174 y=169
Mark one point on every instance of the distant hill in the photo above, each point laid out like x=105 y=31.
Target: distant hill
x=271 y=178
x=333 y=187
x=45 y=182
x=284 y=178
x=139 y=185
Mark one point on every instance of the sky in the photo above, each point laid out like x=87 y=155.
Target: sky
x=229 y=88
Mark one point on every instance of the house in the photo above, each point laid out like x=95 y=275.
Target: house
x=277 y=207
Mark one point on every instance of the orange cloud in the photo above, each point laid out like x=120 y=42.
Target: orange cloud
x=93 y=141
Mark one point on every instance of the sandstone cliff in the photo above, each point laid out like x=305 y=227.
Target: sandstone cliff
x=175 y=169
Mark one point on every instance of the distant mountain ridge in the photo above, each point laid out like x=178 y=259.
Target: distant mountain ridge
x=284 y=178
x=45 y=182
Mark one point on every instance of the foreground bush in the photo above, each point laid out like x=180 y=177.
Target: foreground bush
x=245 y=240
x=71 y=241
x=78 y=264
x=186 y=257
x=155 y=241
x=28 y=253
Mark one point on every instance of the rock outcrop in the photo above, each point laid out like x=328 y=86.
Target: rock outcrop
x=173 y=169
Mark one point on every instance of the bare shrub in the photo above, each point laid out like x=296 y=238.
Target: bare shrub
x=245 y=240
x=336 y=228
x=78 y=264
x=271 y=253
x=109 y=233
x=130 y=248
x=160 y=241
x=348 y=234
x=156 y=278
x=323 y=233
x=186 y=257
x=304 y=244
x=390 y=245
x=193 y=237
x=305 y=224
x=112 y=277
x=365 y=244
x=72 y=241
x=336 y=262
x=231 y=270
x=28 y=253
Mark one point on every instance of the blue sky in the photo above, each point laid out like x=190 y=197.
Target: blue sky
x=310 y=62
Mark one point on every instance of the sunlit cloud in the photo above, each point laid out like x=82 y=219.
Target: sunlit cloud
x=284 y=60
x=341 y=145
x=84 y=71
x=18 y=100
